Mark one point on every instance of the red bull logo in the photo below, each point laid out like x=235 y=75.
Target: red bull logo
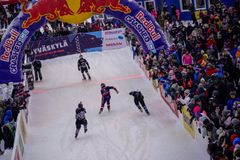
x=99 y=6
x=52 y=10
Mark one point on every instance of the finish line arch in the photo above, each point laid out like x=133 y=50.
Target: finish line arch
x=31 y=19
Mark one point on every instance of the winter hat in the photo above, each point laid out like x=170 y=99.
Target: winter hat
x=226 y=112
x=202 y=80
x=235 y=122
x=236 y=141
x=187 y=91
x=205 y=56
x=233 y=136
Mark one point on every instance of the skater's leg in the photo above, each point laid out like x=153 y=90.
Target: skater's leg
x=40 y=74
x=144 y=107
x=137 y=104
x=78 y=127
x=108 y=104
x=85 y=126
x=83 y=75
x=102 y=105
x=36 y=75
x=89 y=77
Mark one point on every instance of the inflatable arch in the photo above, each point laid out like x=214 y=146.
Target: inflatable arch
x=32 y=18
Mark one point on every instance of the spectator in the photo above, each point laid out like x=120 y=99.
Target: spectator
x=37 y=65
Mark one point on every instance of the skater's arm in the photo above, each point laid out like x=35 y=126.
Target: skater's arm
x=79 y=68
x=111 y=87
x=87 y=64
x=131 y=93
x=116 y=90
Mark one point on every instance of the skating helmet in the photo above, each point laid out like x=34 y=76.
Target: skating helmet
x=80 y=105
x=103 y=85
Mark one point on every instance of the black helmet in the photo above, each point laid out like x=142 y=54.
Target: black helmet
x=103 y=85
x=80 y=105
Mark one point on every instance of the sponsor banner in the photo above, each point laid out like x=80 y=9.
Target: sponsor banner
x=66 y=45
x=16 y=154
x=143 y=24
x=12 y=46
x=186 y=122
x=114 y=39
x=20 y=137
x=23 y=125
x=78 y=43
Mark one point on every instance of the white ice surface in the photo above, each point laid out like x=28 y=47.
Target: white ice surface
x=123 y=134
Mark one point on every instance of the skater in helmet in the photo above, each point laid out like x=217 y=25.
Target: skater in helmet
x=83 y=66
x=139 y=99
x=80 y=119
x=106 y=96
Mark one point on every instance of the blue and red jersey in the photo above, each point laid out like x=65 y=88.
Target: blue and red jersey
x=105 y=91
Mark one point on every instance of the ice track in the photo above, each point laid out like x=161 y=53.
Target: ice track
x=123 y=134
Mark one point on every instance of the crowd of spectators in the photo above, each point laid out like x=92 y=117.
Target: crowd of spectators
x=201 y=71
x=13 y=99
x=57 y=28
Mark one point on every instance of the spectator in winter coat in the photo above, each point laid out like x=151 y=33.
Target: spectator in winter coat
x=9 y=133
x=37 y=69
x=187 y=59
x=232 y=99
x=7 y=117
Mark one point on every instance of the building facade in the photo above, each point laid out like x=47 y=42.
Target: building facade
x=184 y=6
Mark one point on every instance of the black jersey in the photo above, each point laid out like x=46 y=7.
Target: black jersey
x=137 y=95
x=83 y=63
x=80 y=113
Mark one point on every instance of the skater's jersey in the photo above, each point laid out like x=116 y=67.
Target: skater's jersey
x=82 y=63
x=105 y=91
x=80 y=113
x=137 y=95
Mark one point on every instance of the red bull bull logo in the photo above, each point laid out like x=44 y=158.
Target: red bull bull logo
x=52 y=10
x=99 y=6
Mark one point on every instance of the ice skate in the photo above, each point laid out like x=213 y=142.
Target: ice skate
x=76 y=136
x=84 y=78
x=85 y=130
x=89 y=77
x=100 y=111
x=147 y=112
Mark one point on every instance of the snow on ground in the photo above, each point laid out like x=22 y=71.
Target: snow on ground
x=123 y=134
